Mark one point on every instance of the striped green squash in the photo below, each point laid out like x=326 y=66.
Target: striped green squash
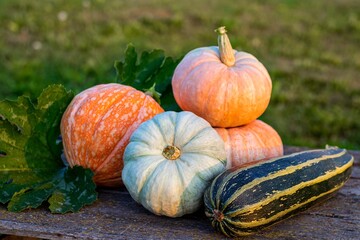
x=241 y=201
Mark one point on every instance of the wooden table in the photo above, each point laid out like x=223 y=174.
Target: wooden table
x=116 y=216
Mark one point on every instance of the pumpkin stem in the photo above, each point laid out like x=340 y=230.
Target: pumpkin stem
x=171 y=152
x=226 y=51
x=153 y=93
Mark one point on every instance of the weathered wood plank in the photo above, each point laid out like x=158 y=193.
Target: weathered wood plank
x=116 y=216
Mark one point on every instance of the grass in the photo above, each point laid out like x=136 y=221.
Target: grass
x=310 y=48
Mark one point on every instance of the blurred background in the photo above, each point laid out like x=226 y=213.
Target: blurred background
x=310 y=48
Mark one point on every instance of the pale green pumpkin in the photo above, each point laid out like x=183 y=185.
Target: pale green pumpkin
x=170 y=161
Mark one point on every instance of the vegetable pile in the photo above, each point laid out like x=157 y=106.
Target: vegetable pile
x=178 y=134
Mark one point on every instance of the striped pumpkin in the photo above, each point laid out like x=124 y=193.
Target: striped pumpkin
x=241 y=201
x=97 y=125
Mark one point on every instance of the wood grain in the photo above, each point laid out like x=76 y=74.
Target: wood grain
x=116 y=216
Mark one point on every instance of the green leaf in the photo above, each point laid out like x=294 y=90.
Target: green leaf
x=150 y=64
x=150 y=69
x=69 y=197
x=31 y=168
x=30 y=197
x=128 y=67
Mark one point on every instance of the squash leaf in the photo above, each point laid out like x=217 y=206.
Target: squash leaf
x=31 y=168
x=150 y=69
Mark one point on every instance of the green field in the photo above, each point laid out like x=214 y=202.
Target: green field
x=310 y=48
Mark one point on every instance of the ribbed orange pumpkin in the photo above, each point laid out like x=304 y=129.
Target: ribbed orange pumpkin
x=250 y=143
x=97 y=125
x=226 y=87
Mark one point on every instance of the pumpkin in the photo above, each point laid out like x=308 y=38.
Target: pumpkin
x=250 y=143
x=228 y=88
x=97 y=125
x=169 y=162
x=243 y=200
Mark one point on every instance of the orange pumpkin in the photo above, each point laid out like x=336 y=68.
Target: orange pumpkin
x=97 y=125
x=250 y=143
x=228 y=88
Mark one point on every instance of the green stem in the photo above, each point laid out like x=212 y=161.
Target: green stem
x=153 y=93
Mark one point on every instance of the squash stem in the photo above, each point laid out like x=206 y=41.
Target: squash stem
x=171 y=152
x=226 y=51
x=153 y=93
x=218 y=216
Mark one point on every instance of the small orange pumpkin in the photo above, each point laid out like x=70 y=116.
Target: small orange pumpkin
x=250 y=143
x=97 y=125
x=226 y=87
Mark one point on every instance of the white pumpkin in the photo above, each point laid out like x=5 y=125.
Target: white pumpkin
x=170 y=161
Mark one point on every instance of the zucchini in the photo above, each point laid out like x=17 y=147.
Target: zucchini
x=243 y=200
